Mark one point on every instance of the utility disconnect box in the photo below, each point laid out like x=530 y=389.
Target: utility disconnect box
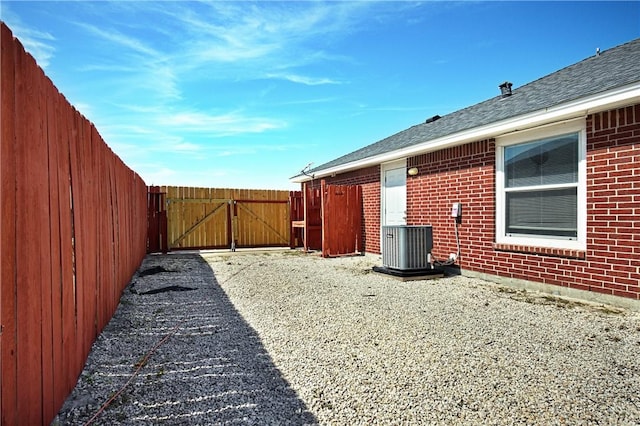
x=406 y=247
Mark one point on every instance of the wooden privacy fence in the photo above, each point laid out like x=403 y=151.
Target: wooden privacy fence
x=306 y=218
x=199 y=218
x=341 y=219
x=156 y=221
x=328 y=218
x=72 y=232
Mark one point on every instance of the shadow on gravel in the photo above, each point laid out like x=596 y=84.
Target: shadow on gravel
x=213 y=370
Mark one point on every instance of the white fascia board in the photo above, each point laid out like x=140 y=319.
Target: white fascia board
x=570 y=110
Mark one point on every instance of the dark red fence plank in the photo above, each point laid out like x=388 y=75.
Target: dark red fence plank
x=313 y=218
x=115 y=241
x=45 y=213
x=78 y=245
x=111 y=293
x=8 y=339
x=157 y=221
x=65 y=244
x=29 y=187
x=55 y=141
x=296 y=217
x=89 y=232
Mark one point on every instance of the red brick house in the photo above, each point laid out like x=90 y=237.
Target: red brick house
x=548 y=176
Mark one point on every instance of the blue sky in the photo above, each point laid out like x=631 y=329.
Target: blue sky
x=244 y=94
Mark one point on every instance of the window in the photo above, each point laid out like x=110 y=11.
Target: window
x=541 y=188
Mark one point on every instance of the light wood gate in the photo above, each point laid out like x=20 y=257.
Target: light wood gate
x=208 y=218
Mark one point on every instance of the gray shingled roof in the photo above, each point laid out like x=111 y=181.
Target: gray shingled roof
x=613 y=68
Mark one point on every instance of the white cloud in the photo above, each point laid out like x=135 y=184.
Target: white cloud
x=135 y=64
x=309 y=81
x=217 y=176
x=121 y=40
x=186 y=147
x=157 y=77
x=269 y=35
x=310 y=101
x=250 y=149
x=219 y=125
x=163 y=81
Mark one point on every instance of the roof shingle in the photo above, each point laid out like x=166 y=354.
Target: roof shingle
x=610 y=69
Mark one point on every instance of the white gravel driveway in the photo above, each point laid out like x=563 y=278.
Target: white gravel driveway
x=288 y=338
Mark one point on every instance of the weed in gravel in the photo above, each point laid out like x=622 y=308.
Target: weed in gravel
x=502 y=289
x=558 y=301
x=90 y=379
x=609 y=309
x=140 y=363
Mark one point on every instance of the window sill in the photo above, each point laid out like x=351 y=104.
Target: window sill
x=546 y=251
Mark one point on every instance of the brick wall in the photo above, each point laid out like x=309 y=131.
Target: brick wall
x=466 y=174
x=463 y=174
x=613 y=204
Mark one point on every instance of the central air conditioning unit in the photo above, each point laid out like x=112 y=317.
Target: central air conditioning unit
x=407 y=248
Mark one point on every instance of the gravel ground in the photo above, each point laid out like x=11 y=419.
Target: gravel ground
x=288 y=338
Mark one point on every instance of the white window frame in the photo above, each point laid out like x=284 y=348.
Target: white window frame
x=580 y=243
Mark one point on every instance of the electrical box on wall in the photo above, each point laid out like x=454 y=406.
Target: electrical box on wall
x=456 y=210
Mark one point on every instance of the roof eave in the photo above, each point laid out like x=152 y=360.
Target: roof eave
x=566 y=111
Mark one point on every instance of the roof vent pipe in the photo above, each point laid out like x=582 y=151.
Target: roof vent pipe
x=505 y=89
x=432 y=119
